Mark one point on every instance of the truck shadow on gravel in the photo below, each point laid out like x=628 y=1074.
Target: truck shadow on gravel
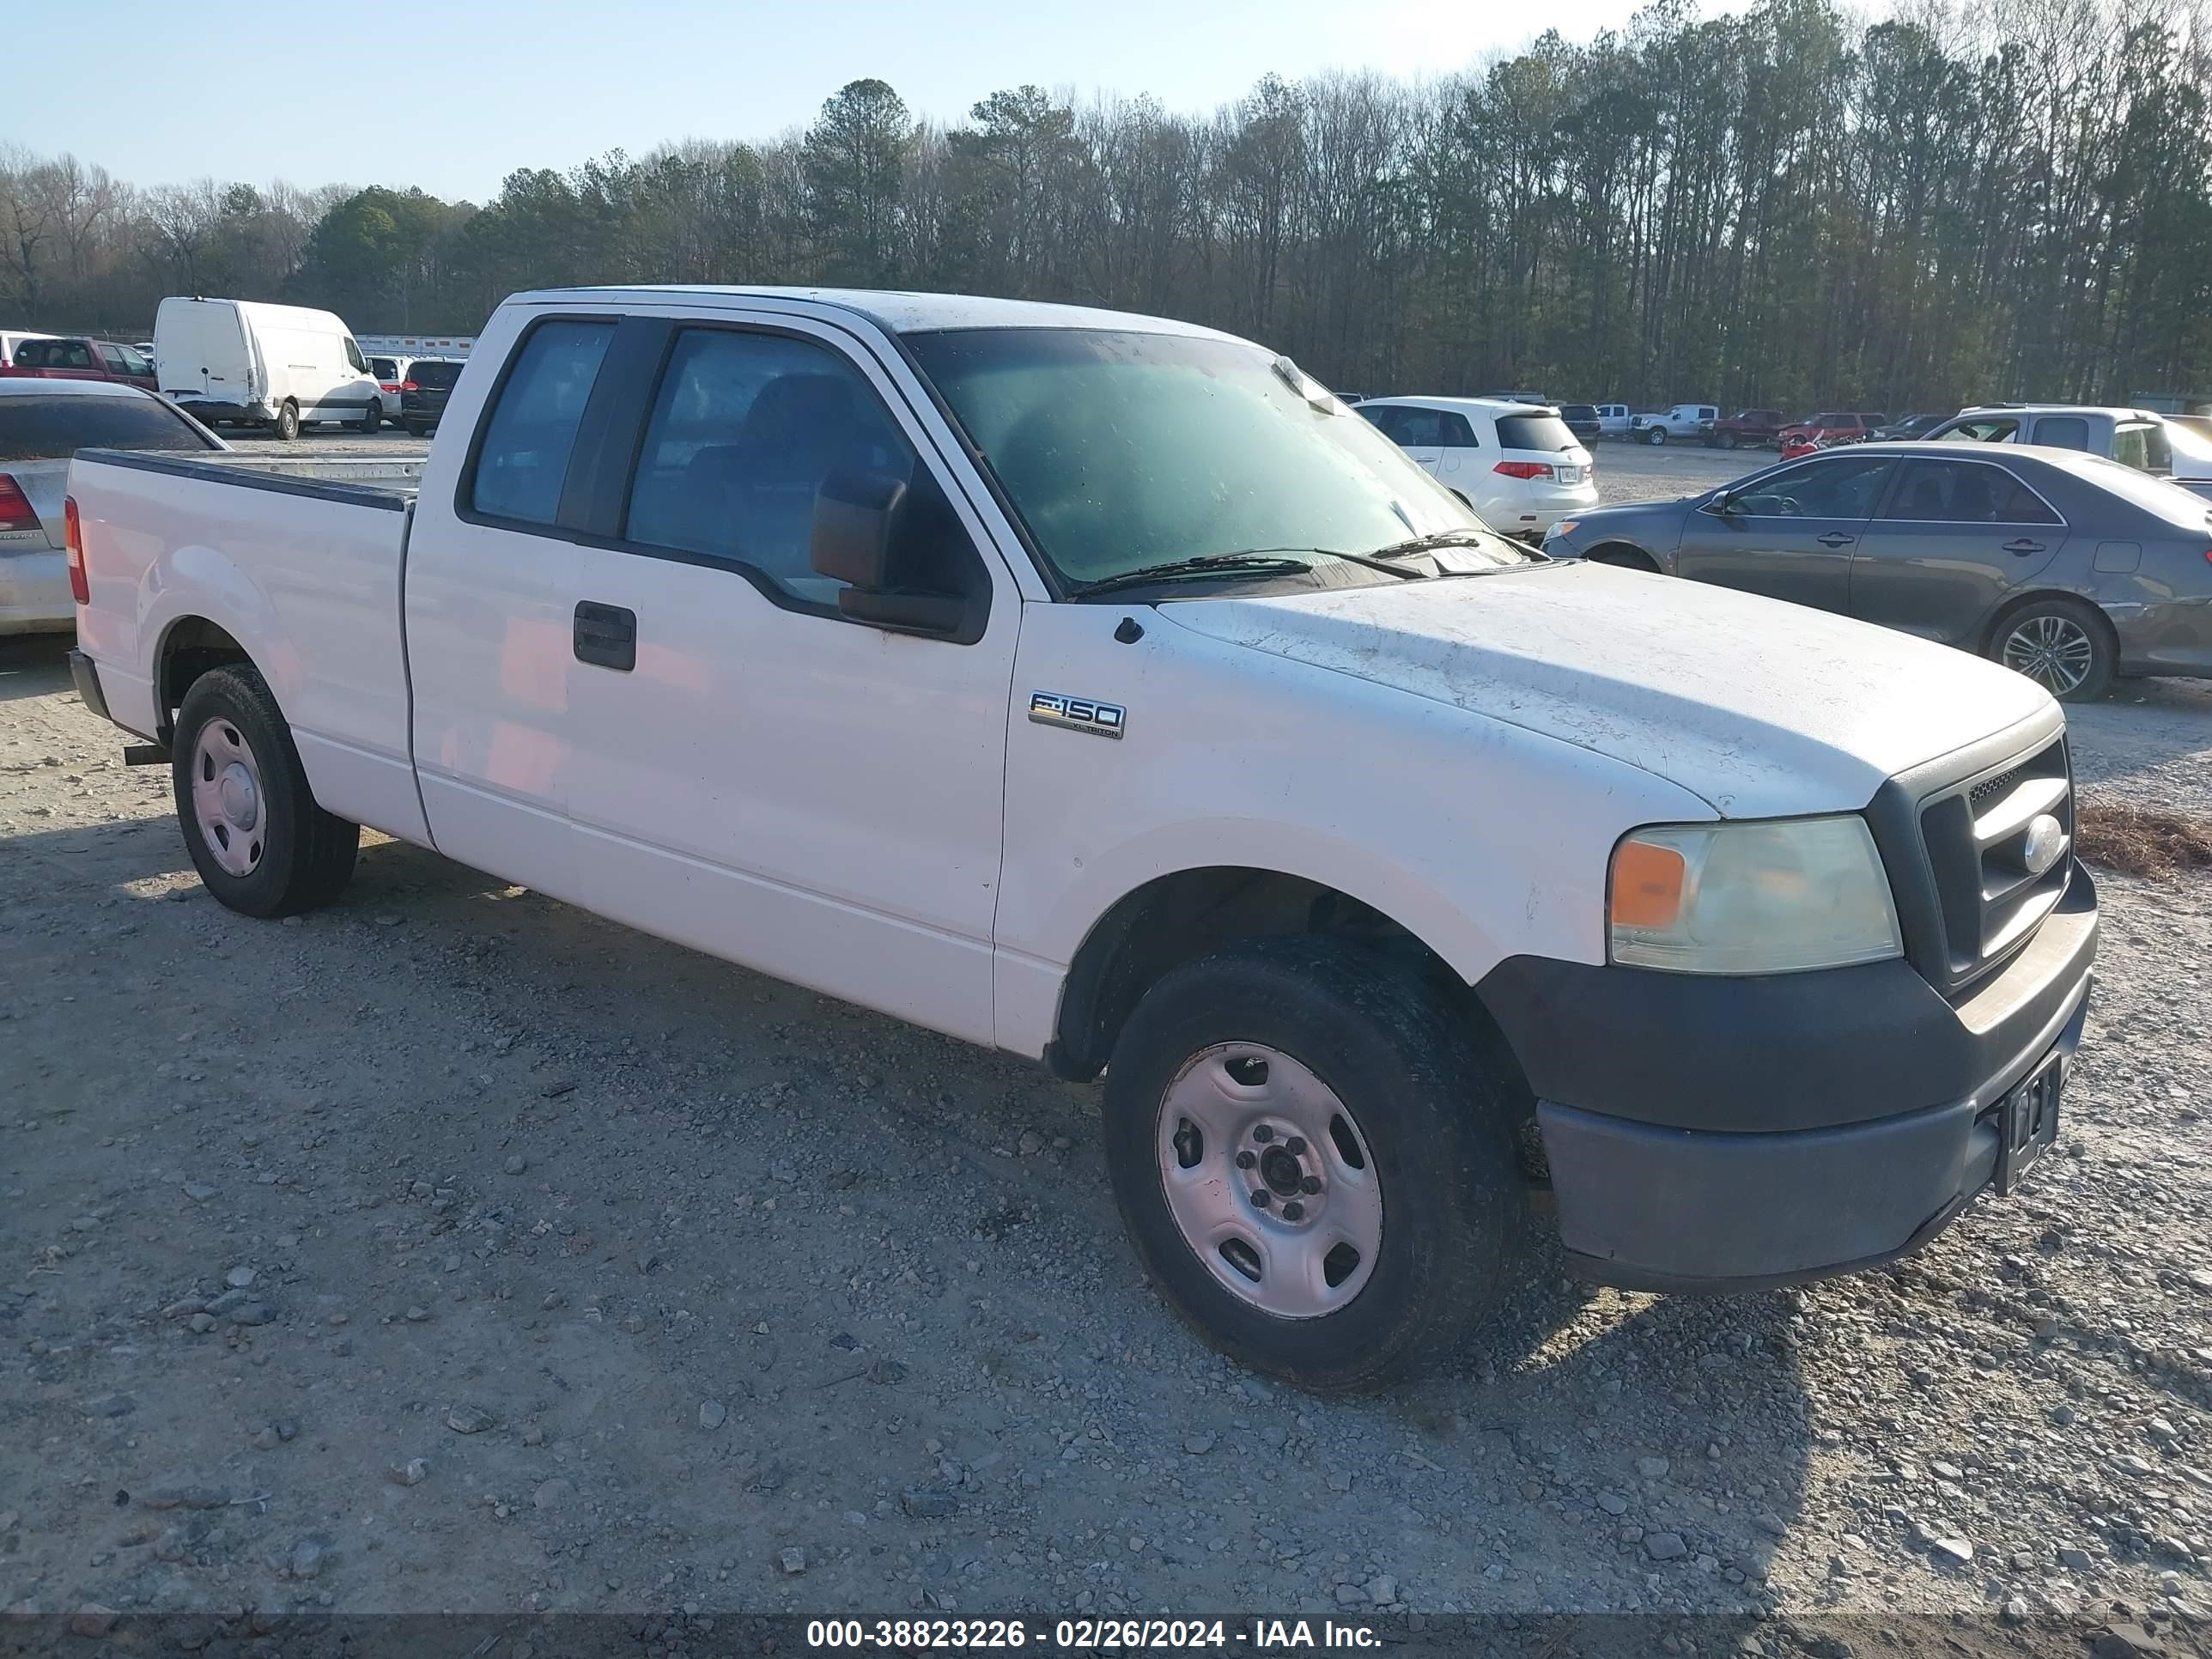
x=783 y=1274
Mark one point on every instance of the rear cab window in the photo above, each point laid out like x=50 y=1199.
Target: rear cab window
x=522 y=452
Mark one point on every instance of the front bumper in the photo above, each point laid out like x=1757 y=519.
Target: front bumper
x=1725 y=1134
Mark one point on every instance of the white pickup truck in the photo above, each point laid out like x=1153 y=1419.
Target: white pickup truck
x=1101 y=689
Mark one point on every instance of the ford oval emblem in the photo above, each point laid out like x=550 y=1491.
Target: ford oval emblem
x=2046 y=840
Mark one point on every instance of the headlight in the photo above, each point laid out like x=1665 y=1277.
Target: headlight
x=1559 y=529
x=1775 y=897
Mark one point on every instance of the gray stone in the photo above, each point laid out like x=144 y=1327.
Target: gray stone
x=553 y=1494
x=1652 y=1468
x=468 y=1419
x=925 y=1505
x=1613 y=1503
x=516 y=1164
x=1198 y=1444
x=309 y=1556
x=1950 y=1551
x=1346 y=1594
x=204 y=1323
x=408 y=1473
x=1383 y=1590
x=198 y=1191
x=1664 y=1546
x=252 y=1313
x=2074 y=1559
x=241 y=1276
x=793 y=1561
x=712 y=1414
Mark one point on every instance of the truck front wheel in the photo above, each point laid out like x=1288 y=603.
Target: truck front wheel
x=1654 y=435
x=250 y=824
x=1314 y=1161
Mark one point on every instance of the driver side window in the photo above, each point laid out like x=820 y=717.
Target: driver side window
x=1845 y=487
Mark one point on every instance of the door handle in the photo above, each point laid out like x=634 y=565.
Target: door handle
x=606 y=636
x=2023 y=546
x=1833 y=539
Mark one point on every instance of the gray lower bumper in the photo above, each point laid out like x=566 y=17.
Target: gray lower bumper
x=1648 y=1207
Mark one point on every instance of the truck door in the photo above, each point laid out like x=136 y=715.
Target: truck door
x=755 y=771
x=491 y=592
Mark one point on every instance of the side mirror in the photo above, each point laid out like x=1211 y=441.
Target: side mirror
x=1723 y=502
x=856 y=519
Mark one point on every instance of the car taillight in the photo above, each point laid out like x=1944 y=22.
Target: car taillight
x=73 y=539
x=392 y=385
x=1524 y=469
x=409 y=385
x=16 y=512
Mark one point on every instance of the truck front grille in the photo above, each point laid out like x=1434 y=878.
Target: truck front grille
x=1976 y=832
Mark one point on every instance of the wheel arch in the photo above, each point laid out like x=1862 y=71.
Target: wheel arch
x=2013 y=605
x=1179 y=916
x=1628 y=554
x=190 y=645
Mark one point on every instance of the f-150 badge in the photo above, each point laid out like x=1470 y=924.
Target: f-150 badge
x=1102 y=719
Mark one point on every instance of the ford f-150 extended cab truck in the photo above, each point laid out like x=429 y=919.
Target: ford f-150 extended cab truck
x=1103 y=690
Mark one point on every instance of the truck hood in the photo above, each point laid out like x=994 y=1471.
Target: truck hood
x=1758 y=707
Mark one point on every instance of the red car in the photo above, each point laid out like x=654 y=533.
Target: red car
x=73 y=357
x=1836 y=428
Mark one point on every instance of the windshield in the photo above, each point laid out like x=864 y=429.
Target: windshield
x=1121 y=450
x=46 y=429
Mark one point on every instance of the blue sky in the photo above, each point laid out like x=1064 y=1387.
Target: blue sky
x=335 y=92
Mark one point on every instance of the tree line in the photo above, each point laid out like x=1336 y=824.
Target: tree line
x=1967 y=199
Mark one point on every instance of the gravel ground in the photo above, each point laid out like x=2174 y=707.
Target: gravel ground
x=453 y=1249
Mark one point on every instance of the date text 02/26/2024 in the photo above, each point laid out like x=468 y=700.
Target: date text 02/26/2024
x=1287 y=1636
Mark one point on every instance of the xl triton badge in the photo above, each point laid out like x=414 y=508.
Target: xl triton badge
x=1102 y=719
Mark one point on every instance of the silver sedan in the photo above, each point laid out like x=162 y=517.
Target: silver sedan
x=42 y=423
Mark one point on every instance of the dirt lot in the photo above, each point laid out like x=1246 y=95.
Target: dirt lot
x=452 y=1250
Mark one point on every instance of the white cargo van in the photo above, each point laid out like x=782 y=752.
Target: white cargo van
x=282 y=367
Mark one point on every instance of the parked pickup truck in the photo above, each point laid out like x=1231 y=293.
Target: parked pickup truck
x=978 y=662
x=1747 y=429
x=1676 y=421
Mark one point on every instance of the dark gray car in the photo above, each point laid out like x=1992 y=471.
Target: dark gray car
x=2067 y=567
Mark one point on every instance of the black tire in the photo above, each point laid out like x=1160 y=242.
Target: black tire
x=1728 y=440
x=2070 y=618
x=1655 y=435
x=306 y=855
x=371 y=418
x=1436 y=1115
x=286 y=426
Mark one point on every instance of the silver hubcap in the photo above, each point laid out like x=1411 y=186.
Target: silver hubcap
x=226 y=798
x=2055 y=651
x=1270 y=1181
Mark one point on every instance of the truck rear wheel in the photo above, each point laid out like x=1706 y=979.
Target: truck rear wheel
x=1314 y=1161
x=370 y=417
x=287 y=424
x=250 y=824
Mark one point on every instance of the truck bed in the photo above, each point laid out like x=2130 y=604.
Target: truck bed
x=304 y=549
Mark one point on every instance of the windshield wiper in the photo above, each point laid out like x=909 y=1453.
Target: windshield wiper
x=1256 y=561
x=1429 y=544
